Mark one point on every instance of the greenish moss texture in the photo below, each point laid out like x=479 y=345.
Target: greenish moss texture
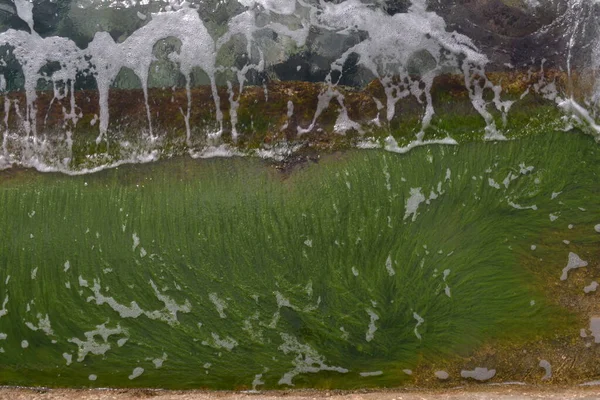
x=366 y=269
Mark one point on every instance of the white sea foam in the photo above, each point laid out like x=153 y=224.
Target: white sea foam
x=4 y=310
x=371 y=373
x=136 y=241
x=388 y=47
x=137 y=371
x=442 y=375
x=591 y=287
x=493 y=183
x=412 y=203
x=520 y=207
x=420 y=321
x=43 y=325
x=591 y=383
x=256 y=382
x=220 y=304
x=574 y=262
x=595 y=328
x=227 y=343
x=370 y=335
x=91 y=346
x=548 y=368
x=389 y=267
x=168 y=314
x=479 y=374
x=307 y=360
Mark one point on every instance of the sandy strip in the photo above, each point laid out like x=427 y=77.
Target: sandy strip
x=474 y=393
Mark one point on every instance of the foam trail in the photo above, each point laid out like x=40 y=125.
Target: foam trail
x=404 y=52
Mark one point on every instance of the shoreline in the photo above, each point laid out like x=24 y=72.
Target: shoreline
x=468 y=392
x=285 y=163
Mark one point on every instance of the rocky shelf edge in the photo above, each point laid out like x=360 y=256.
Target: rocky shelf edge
x=269 y=116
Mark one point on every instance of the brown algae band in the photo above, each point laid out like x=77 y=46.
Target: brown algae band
x=366 y=269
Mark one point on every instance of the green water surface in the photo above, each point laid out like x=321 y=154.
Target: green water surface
x=228 y=274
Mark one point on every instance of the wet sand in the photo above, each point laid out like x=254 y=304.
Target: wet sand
x=462 y=393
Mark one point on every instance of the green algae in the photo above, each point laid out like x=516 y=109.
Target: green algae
x=300 y=263
x=262 y=120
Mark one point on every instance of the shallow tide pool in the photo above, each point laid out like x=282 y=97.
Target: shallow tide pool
x=366 y=269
